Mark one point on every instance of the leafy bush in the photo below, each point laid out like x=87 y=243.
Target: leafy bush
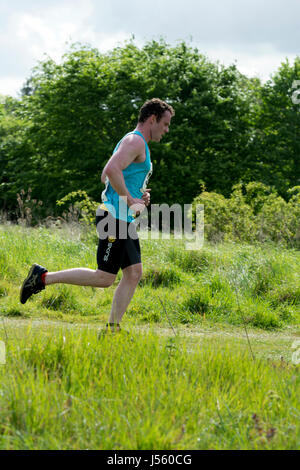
x=253 y=213
x=80 y=206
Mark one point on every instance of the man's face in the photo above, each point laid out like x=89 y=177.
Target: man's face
x=159 y=129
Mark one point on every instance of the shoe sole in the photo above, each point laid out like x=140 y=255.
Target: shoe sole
x=28 y=276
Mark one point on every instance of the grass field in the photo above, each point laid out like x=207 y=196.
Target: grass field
x=200 y=388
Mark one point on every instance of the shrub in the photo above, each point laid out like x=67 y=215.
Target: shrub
x=216 y=215
x=253 y=213
x=81 y=207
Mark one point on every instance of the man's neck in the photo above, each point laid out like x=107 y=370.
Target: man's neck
x=146 y=132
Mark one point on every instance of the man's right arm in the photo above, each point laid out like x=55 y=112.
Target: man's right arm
x=128 y=151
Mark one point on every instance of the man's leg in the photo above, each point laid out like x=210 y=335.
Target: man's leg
x=124 y=292
x=38 y=277
x=81 y=277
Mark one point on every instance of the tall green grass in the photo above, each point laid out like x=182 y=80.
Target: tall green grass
x=63 y=389
x=231 y=283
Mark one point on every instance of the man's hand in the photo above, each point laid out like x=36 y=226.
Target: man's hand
x=146 y=197
x=136 y=205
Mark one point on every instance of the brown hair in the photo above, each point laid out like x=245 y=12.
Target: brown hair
x=156 y=107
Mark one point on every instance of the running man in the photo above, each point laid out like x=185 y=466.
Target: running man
x=125 y=175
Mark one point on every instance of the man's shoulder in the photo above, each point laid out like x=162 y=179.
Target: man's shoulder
x=134 y=142
x=134 y=139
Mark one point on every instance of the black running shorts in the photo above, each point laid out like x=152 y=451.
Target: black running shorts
x=119 y=246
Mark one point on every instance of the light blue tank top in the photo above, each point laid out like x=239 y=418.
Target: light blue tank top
x=136 y=177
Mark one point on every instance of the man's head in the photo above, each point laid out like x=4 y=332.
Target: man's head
x=157 y=114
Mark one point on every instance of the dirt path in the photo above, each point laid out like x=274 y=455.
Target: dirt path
x=288 y=334
x=276 y=345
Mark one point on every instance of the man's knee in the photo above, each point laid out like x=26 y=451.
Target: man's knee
x=133 y=273
x=105 y=279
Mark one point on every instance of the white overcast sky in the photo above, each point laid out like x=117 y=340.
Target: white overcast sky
x=256 y=34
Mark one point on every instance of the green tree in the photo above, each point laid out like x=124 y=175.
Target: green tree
x=276 y=147
x=15 y=152
x=227 y=128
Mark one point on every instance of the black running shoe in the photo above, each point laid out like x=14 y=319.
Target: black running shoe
x=33 y=283
x=112 y=329
x=109 y=328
